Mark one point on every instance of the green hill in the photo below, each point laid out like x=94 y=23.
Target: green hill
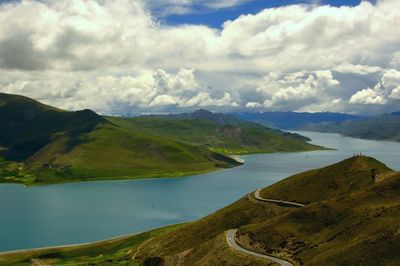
x=41 y=144
x=382 y=127
x=219 y=132
x=351 y=219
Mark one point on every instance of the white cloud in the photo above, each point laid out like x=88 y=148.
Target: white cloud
x=395 y=62
x=297 y=89
x=252 y=105
x=386 y=90
x=304 y=37
x=203 y=99
x=126 y=94
x=357 y=69
x=367 y=96
x=164 y=100
x=64 y=35
x=94 y=34
x=391 y=81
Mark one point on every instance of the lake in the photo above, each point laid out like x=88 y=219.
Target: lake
x=84 y=212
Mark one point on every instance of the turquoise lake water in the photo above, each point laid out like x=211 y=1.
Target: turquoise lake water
x=84 y=212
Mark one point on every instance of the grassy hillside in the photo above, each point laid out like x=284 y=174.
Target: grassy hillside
x=383 y=127
x=351 y=219
x=116 y=251
x=354 y=226
x=41 y=144
x=218 y=132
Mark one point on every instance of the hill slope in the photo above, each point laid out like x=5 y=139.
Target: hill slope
x=351 y=219
x=219 y=132
x=41 y=144
x=383 y=127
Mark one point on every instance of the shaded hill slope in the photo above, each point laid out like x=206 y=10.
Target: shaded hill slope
x=27 y=125
x=351 y=219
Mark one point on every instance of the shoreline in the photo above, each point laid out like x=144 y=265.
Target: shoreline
x=79 y=245
x=155 y=177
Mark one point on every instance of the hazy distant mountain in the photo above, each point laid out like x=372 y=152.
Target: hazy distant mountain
x=382 y=127
x=202 y=114
x=294 y=120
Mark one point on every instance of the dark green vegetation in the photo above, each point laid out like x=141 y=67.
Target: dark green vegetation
x=218 y=132
x=351 y=218
x=383 y=127
x=40 y=144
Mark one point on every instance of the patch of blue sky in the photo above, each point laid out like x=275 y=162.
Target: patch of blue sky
x=216 y=17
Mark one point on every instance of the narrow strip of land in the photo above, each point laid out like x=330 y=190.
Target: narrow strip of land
x=230 y=238
x=282 y=202
x=67 y=246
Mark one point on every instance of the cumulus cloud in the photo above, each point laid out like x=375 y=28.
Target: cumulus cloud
x=386 y=90
x=65 y=35
x=104 y=54
x=395 y=62
x=324 y=36
x=93 y=34
x=347 y=67
x=125 y=94
x=297 y=89
x=367 y=96
x=253 y=105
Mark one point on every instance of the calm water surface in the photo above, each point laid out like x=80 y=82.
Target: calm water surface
x=82 y=212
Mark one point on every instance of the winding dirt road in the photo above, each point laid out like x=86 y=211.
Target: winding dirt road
x=281 y=202
x=230 y=234
x=230 y=238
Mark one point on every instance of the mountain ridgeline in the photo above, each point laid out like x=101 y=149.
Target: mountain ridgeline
x=40 y=144
x=295 y=120
x=349 y=216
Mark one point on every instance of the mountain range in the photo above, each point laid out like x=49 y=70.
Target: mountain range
x=295 y=120
x=381 y=127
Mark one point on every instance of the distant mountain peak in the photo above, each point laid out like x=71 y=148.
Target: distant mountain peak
x=218 y=118
x=202 y=111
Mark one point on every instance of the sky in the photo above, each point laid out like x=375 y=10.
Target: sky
x=158 y=56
